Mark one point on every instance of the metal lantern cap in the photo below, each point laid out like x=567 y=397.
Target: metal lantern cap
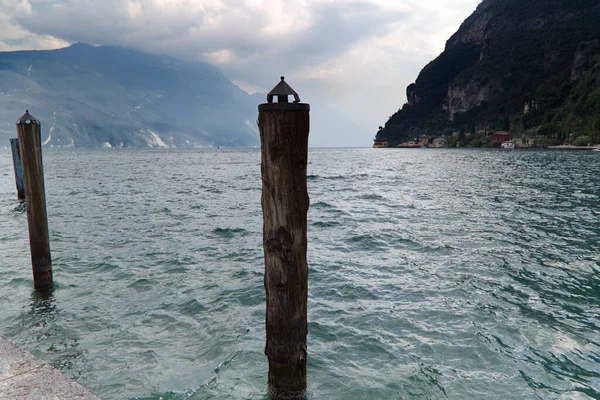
x=282 y=90
x=28 y=119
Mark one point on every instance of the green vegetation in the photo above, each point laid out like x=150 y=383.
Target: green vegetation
x=531 y=67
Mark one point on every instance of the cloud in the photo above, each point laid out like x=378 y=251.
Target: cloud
x=355 y=55
x=15 y=37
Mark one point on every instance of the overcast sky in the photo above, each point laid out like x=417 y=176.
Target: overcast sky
x=355 y=56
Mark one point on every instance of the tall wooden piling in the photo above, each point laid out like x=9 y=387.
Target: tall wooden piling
x=29 y=131
x=16 y=155
x=284 y=129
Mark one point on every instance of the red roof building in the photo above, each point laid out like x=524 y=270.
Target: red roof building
x=501 y=136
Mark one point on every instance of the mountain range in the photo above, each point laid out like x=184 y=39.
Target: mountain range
x=107 y=96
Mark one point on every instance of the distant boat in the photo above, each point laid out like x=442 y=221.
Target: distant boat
x=508 y=145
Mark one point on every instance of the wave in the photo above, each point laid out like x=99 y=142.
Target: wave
x=321 y=204
x=230 y=233
x=325 y=224
x=371 y=197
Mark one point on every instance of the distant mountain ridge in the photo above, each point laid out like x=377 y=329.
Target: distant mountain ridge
x=519 y=65
x=108 y=96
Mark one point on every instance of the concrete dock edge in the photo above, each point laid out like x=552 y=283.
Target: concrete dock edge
x=26 y=377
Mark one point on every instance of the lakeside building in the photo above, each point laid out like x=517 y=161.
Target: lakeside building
x=501 y=136
x=380 y=145
x=439 y=142
x=523 y=142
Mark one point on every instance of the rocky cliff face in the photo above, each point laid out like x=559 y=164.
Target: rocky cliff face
x=474 y=29
x=506 y=54
x=587 y=62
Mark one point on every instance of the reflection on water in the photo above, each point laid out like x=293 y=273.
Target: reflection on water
x=43 y=305
x=432 y=274
x=42 y=319
x=21 y=207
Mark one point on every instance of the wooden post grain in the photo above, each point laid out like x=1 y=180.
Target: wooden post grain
x=29 y=131
x=16 y=155
x=284 y=129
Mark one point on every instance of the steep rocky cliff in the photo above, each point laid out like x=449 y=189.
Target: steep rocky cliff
x=513 y=64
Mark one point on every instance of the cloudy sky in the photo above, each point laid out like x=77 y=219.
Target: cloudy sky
x=356 y=56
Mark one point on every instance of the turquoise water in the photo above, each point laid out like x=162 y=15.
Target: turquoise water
x=434 y=274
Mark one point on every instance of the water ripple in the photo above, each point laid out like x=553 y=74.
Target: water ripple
x=433 y=274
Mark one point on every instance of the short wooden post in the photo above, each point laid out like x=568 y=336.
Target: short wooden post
x=284 y=131
x=16 y=155
x=28 y=129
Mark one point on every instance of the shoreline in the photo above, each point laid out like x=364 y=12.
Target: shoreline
x=561 y=147
x=22 y=375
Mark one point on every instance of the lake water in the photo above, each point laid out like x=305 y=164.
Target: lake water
x=434 y=274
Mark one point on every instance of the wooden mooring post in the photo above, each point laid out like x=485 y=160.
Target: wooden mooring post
x=16 y=155
x=284 y=129
x=29 y=132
